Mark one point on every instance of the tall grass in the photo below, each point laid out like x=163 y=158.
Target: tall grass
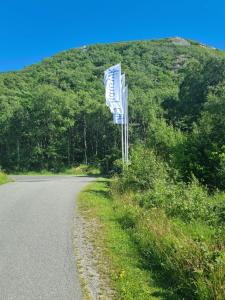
x=120 y=260
x=3 y=178
x=178 y=227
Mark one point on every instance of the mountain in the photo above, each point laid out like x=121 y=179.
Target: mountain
x=53 y=113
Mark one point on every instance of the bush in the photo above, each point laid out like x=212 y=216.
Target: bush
x=193 y=269
x=219 y=212
x=189 y=265
x=190 y=203
x=178 y=227
x=145 y=169
x=149 y=178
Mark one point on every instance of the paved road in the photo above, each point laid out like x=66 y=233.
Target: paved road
x=36 y=225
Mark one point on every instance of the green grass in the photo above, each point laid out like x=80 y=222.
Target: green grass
x=81 y=170
x=3 y=178
x=150 y=255
x=34 y=173
x=186 y=257
x=122 y=261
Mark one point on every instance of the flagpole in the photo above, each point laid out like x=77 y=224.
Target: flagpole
x=127 y=126
x=116 y=99
x=122 y=133
x=125 y=138
x=126 y=123
x=122 y=125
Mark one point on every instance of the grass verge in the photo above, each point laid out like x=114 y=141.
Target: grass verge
x=3 y=178
x=81 y=170
x=121 y=261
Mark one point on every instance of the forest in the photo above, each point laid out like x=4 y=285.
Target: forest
x=53 y=116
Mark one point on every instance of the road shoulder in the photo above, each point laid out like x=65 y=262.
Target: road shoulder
x=89 y=254
x=108 y=261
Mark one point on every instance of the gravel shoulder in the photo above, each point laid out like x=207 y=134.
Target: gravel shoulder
x=92 y=264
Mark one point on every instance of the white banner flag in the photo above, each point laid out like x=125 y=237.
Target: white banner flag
x=118 y=119
x=112 y=81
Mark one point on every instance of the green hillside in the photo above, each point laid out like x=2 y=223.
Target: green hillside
x=53 y=113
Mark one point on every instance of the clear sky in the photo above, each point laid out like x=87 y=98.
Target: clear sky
x=35 y=29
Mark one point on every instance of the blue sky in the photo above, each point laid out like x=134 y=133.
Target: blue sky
x=32 y=30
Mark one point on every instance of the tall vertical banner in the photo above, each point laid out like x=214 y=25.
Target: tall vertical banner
x=112 y=80
x=116 y=95
x=119 y=117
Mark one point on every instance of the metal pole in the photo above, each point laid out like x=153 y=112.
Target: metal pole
x=126 y=125
x=125 y=130
x=122 y=141
x=122 y=125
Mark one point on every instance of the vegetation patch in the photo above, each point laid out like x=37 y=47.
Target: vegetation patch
x=177 y=227
x=79 y=170
x=83 y=169
x=3 y=178
x=119 y=259
x=53 y=114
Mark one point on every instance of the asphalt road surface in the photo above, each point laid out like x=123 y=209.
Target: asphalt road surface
x=36 y=226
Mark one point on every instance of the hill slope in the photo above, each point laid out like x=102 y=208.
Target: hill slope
x=53 y=113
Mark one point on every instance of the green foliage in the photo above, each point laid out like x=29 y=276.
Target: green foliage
x=53 y=113
x=83 y=170
x=78 y=170
x=198 y=80
x=3 y=178
x=177 y=226
x=151 y=180
x=120 y=259
x=193 y=268
x=189 y=202
x=144 y=171
x=165 y=140
x=203 y=153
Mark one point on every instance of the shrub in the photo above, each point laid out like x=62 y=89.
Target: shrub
x=178 y=227
x=186 y=201
x=144 y=170
x=192 y=268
